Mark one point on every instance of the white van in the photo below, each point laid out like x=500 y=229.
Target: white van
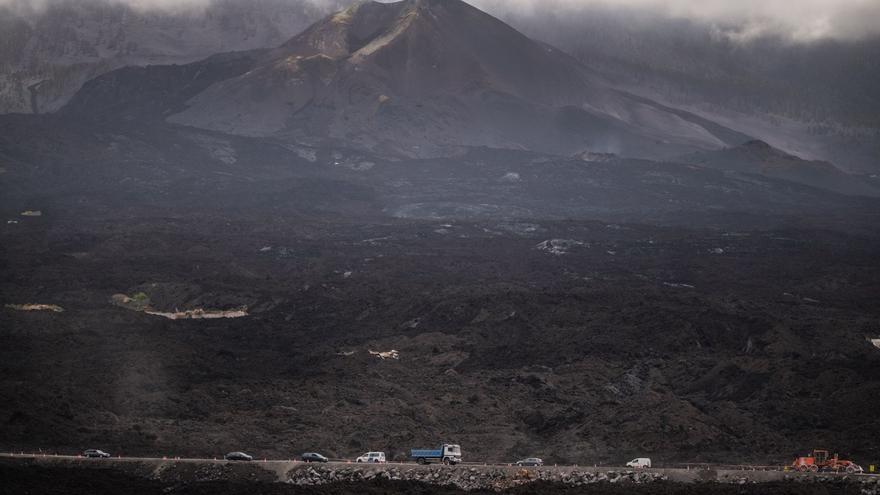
x=372 y=457
x=639 y=462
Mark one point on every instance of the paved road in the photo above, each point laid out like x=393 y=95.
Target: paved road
x=333 y=462
x=280 y=469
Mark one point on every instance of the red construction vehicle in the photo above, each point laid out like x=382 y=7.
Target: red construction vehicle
x=820 y=460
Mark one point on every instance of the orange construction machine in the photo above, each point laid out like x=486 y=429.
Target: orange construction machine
x=820 y=460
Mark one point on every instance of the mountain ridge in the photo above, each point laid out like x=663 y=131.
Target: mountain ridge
x=48 y=53
x=427 y=72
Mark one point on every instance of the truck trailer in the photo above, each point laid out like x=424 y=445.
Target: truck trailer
x=447 y=454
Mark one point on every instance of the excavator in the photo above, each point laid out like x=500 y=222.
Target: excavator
x=821 y=460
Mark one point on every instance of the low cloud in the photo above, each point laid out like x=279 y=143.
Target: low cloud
x=800 y=20
x=797 y=20
x=36 y=6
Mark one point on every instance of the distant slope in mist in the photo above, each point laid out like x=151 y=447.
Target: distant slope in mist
x=818 y=100
x=46 y=54
x=758 y=157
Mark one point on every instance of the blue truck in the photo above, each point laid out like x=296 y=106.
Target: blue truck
x=447 y=454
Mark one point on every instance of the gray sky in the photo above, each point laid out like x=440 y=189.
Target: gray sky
x=799 y=20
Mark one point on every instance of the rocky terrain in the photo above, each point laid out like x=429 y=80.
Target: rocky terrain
x=469 y=478
x=50 y=476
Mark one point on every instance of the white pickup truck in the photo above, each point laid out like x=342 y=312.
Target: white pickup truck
x=372 y=457
x=639 y=462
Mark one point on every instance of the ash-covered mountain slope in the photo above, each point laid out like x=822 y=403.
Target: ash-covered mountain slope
x=422 y=77
x=817 y=100
x=49 y=49
x=147 y=95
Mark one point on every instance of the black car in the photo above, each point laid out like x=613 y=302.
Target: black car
x=238 y=456
x=313 y=457
x=100 y=454
x=530 y=461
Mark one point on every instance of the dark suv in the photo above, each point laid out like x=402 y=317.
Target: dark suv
x=100 y=454
x=313 y=457
x=238 y=456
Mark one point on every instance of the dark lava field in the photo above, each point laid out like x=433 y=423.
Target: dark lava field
x=701 y=331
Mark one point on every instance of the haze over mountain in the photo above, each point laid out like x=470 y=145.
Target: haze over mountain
x=759 y=158
x=49 y=49
x=812 y=20
x=812 y=97
x=426 y=76
x=816 y=99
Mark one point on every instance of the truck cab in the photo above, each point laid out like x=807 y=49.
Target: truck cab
x=452 y=453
